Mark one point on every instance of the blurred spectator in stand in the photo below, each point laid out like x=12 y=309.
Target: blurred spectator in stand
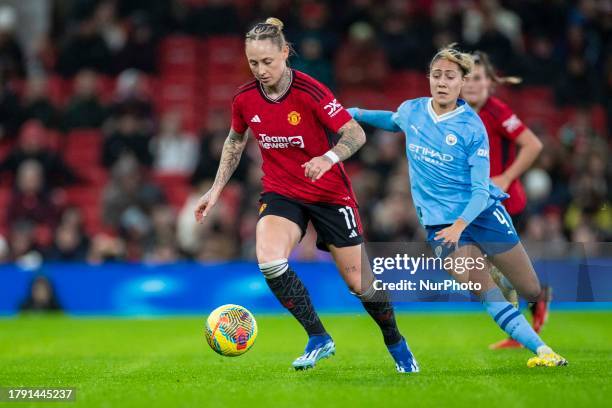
x=161 y=14
x=607 y=92
x=402 y=43
x=539 y=64
x=70 y=243
x=33 y=146
x=311 y=61
x=132 y=97
x=497 y=45
x=211 y=146
x=163 y=252
x=187 y=231
x=23 y=248
x=128 y=189
x=544 y=236
x=10 y=110
x=313 y=23
x=111 y=29
x=579 y=137
x=12 y=63
x=488 y=16
x=84 y=110
x=30 y=202
x=37 y=104
x=175 y=151
x=384 y=154
x=390 y=219
x=218 y=246
x=217 y=17
x=359 y=11
x=106 y=248
x=361 y=62
x=140 y=50
x=588 y=29
x=163 y=247
x=129 y=138
x=542 y=16
x=42 y=297
x=84 y=48
x=578 y=82
x=591 y=197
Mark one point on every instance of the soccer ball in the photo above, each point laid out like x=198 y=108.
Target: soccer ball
x=231 y=330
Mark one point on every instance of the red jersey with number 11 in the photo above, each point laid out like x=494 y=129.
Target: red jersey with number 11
x=291 y=130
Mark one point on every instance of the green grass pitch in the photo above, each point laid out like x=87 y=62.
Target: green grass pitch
x=167 y=363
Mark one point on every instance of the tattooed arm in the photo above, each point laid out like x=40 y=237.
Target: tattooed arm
x=352 y=137
x=230 y=157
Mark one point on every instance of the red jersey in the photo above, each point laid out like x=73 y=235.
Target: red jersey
x=503 y=127
x=290 y=131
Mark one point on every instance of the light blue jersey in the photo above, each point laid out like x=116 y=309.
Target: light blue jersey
x=448 y=160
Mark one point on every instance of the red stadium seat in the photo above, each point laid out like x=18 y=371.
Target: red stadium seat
x=83 y=196
x=5 y=198
x=83 y=148
x=175 y=186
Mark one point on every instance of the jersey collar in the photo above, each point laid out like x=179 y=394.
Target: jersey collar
x=434 y=116
x=281 y=97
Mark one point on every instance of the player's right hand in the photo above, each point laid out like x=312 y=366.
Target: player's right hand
x=205 y=203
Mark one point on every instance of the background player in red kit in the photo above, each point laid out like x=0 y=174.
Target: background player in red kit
x=304 y=181
x=513 y=149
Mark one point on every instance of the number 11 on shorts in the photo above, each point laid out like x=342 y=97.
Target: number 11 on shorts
x=350 y=222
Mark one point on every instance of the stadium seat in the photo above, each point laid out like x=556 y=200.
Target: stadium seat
x=83 y=148
x=175 y=186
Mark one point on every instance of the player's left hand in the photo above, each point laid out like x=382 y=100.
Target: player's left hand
x=502 y=182
x=317 y=167
x=451 y=234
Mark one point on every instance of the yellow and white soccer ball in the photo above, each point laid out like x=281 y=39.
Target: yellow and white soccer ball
x=231 y=330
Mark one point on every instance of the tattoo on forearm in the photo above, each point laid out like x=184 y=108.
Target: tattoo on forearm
x=230 y=157
x=352 y=137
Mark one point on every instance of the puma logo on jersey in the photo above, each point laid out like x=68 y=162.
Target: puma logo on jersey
x=256 y=119
x=333 y=108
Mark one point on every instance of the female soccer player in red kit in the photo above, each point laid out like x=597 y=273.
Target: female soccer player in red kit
x=513 y=149
x=288 y=113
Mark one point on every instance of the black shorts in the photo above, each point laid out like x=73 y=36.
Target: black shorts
x=336 y=225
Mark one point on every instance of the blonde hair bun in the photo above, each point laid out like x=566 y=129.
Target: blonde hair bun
x=275 y=22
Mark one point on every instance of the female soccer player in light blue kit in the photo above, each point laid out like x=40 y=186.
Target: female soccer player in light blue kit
x=459 y=206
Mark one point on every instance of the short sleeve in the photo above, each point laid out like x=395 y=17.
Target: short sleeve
x=238 y=122
x=329 y=111
x=402 y=111
x=510 y=125
x=478 y=148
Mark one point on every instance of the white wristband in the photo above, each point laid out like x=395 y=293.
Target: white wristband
x=332 y=156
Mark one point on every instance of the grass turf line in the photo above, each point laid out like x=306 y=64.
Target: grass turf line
x=166 y=362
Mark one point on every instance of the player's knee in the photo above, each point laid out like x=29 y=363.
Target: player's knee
x=268 y=252
x=274 y=269
x=355 y=288
x=532 y=292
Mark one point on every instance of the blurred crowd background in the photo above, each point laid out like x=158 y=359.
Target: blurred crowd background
x=113 y=114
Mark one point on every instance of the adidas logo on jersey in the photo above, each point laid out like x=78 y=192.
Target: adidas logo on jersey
x=353 y=234
x=256 y=119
